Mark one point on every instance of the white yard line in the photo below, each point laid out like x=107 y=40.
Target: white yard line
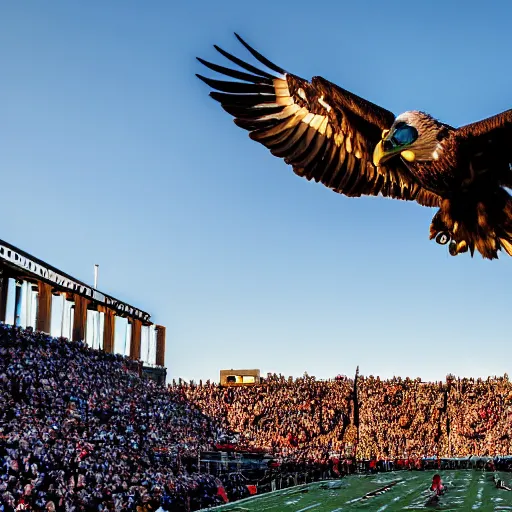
x=479 y=493
x=384 y=507
x=307 y=508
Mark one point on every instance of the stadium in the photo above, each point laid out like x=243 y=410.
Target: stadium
x=198 y=318
x=85 y=426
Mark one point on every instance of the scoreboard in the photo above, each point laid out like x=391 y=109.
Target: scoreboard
x=239 y=377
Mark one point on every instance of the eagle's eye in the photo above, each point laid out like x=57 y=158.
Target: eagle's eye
x=404 y=134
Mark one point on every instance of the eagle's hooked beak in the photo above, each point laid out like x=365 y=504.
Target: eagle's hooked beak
x=384 y=150
x=378 y=154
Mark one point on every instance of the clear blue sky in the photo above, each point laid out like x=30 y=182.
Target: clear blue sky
x=111 y=152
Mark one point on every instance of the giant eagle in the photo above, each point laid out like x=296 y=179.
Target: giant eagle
x=355 y=147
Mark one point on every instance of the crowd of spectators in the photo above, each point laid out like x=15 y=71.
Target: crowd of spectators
x=303 y=418
x=81 y=430
x=396 y=418
x=400 y=417
x=479 y=416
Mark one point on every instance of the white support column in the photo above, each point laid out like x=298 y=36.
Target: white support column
x=128 y=338
x=144 y=343
x=34 y=297
x=64 y=328
x=24 y=305
x=94 y=331
x=90 y=330
x=67 y=319
x=120 y=345
x=57 y=312
x=18 y=303
x=152 y=345
x=100 y=318
x=10 y=309
x=71 y=321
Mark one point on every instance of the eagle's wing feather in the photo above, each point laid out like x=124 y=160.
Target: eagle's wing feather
x=490 y=141
x=324 y=132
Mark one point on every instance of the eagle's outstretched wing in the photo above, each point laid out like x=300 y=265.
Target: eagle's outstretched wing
x=323 y=131
x=489 y=145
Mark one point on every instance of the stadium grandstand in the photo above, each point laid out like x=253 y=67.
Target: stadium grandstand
x=82 y=429
x=87 y=421
x=34 y=294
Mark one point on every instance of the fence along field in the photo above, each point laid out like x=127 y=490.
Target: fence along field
x=467 y=490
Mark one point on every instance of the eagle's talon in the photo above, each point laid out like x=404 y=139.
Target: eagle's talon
x=462 y=246
x=442 y=238
x=452 y=248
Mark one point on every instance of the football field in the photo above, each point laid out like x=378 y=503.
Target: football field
x=466 y=491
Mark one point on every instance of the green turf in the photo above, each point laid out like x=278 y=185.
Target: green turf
x=466 y=491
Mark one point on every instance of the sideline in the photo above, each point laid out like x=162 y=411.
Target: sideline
x=284 y=492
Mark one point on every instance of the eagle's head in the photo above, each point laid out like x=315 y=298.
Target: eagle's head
x=414 y=136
